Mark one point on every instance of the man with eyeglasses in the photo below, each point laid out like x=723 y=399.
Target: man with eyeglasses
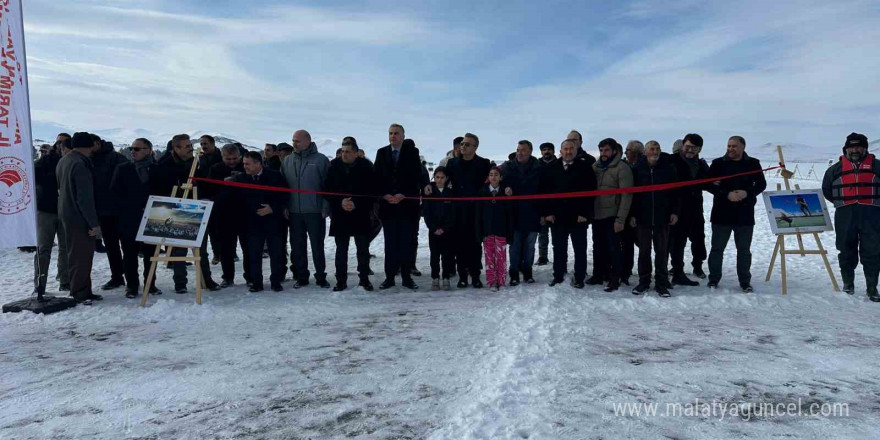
x=210 y=156
x=690 y=225
x=229 y=216
x=175 y=172
x=131 y=185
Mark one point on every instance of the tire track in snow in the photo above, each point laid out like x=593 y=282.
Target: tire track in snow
x=507 y=390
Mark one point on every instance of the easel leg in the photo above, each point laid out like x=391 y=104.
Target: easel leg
x=148 y=282
x=773 y=259
x=782 y=263
x=827 y=264
x=199 y=282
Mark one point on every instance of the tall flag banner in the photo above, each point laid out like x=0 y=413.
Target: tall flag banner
x=18 y=210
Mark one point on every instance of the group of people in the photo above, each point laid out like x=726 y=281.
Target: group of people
x=86 y=190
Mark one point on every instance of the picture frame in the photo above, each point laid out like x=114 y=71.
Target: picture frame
x=797 y=211
x=174 y=221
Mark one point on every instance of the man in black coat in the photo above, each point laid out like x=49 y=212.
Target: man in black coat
x=398 y=180
x=105 y=161
x=523 y=175
x=171 y=172
x=229 y=216
x=733 y=210
x=652 y=213
x=568 y=217
x=76 y=209
x=263 y=220
x=690 y=224
x=468 y=174
x=548 y=156
x=350 y=216
x=210 y=156
x=131 y=187
x=48 y=223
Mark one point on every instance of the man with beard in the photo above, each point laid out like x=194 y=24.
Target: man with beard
x=690 y=224
x=548 y=156
x=105 y=160
x=578 y=140
x=523 y=175
x=568 y=217
x=733 y=210
x=635 y=150
x=230 y=218
x=350 y=216
x=210 y=156
x=131 y=186
x=652 y=213
x=853 y=185
x=169 y=173
x=611 y=214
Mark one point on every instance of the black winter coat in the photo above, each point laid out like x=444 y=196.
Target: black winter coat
x=227 y=206
x=654 y=208
x=725 y=212
x=555 y=179
x=404 y=177
x=467 y=178
x=247 y=201
x=690 y=197
x=132 y=195
x=524 y=179
x=172 y=172
x=439 y=214
x=47 y=183
x=359 y=178
x=495 y=217
x=105 y=163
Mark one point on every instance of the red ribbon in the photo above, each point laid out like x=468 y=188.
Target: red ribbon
x=575 y=194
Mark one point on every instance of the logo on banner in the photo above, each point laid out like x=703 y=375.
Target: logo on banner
x=15 y=192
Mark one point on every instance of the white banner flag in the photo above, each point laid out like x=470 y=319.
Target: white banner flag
x=18 y=210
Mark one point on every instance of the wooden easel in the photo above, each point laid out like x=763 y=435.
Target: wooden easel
x=780 y=240
x=189 y=191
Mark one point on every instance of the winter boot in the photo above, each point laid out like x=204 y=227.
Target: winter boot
x=848 y=277
x=435 y=284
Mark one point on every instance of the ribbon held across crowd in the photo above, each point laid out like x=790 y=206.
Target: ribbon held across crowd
x=575 y=194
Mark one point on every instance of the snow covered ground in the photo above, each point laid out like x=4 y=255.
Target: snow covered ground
x=528 y=362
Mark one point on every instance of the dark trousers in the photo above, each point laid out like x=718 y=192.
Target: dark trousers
x=130 y=251
x=679 y=234
x=442 y=257
x=362 y=246
x=543 y=241
x=110 y=234
x=398 y=246
x=81 y=252
x=607 y=257
x=658 y=236
x=858 y=231
x=468 y=253
x=179 y=267
x=522 y=252
x=311 y=227
x=269 y=235
x=48 y=226
x=578 y=234
x=742 y=237
x=628 y=240
x=214 y=236
x=230 y=237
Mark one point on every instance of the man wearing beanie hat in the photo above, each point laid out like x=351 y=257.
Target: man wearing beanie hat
x=76 y=209
x=853 y=185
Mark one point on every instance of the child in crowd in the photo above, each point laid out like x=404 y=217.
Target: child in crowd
x=440 y=218
x=495 y=226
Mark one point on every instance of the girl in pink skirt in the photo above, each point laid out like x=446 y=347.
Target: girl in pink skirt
x=495 y=226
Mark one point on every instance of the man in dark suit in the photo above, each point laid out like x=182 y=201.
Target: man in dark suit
x=263 y=220
x=398 y=180
x=131 y=186
x=228 y=215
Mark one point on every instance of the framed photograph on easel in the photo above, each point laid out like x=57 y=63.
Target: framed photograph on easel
x=174 y=221
x=797 y=211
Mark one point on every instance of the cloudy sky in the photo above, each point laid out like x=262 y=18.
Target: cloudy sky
x=805 y=72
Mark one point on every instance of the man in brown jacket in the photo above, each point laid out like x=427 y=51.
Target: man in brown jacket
x=610 y=213
x=76 y=209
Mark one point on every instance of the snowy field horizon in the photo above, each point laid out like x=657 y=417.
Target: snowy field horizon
x=527 y=362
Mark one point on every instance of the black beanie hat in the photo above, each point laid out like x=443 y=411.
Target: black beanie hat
x=855 y=140
x=82 y=140
x=546 y=145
